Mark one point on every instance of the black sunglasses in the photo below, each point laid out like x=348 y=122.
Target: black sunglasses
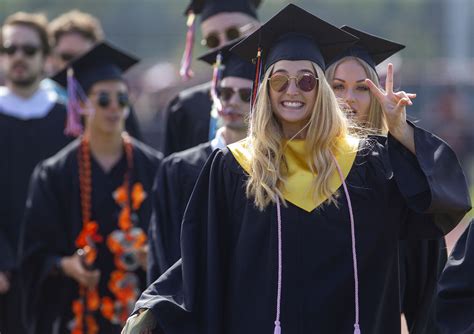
x=104 y=99
x=213 y=40
x=226 y=93
x=27 y=49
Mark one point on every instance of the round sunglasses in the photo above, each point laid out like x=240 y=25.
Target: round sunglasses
x=279 y=82
x=226 y=93
x=27 y=49
x=104 y=99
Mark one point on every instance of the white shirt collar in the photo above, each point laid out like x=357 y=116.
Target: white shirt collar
x=218 y=142
x=37 y=106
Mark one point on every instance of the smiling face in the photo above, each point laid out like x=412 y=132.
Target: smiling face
x=293 y=106
x=349 y=85
x=109 y=100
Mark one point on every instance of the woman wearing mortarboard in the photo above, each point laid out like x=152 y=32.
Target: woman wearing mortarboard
x=83 y=246
x=295 y=229
x=421 y=260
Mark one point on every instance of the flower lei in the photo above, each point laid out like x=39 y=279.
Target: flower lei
x=123 y=243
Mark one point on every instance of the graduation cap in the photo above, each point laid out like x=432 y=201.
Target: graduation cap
x=102 y=62
x=293 y=34
x=370 y=48
x=226 y=64
x=206 y=9
x=230 y=64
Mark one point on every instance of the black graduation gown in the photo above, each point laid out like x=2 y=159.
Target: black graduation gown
x=131 y=125
x=187 y=119
x=23 y=144
x=421 y=263
x=173 y=186
x=455 y=300
x=53 y=221
x=227 y=277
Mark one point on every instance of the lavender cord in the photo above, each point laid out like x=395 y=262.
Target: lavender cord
x=277 y=329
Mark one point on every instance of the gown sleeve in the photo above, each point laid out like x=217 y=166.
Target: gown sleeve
x=455 y=298
x=165 y=223
x=432 y=183
x=187 y=298
x=40 y=248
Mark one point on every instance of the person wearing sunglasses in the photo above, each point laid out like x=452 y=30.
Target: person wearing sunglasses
x=232 y=88
x=420 y=259
x=31 y=129
x=84 y=229
x=295 y=229
x=72 y=34
x=188 y=121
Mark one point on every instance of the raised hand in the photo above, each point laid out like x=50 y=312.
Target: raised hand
x=394 y=108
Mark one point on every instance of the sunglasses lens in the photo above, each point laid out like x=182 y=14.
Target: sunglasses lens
x=279 y=82
x=225 y=93
x=30 y=50
x=122 y=100
x=245 y=94
x=212 y=41
x=306 y=82
x=9 y=50
x=103 y=100
x=232 y=33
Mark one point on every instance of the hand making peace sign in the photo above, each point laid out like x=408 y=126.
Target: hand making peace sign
x=394 y=107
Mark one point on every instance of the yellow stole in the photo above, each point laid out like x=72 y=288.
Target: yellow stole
x=298 y=186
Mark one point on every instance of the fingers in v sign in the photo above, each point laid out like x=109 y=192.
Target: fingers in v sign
x=394 y=108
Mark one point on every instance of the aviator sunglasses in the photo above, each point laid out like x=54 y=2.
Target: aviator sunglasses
x=27 y=49
x=279 y=82
x=104 y=99
x=226 y=93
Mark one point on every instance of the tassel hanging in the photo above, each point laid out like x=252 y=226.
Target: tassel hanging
x=216 y=77
x=257 y=77
x=74 y=109
x=185 y=71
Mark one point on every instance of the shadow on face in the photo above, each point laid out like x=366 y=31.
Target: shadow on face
x=235 y=96
x=68 y=47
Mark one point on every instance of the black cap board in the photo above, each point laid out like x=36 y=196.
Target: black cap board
x=370 y=48
x=208 y=8
x=103 y=62
x=295 y=34
x=233 y=65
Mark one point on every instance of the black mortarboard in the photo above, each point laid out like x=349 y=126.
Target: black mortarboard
x=103 y=62
x=208 y=8
x=232 y=65
x=295 y=34
x=370 y=48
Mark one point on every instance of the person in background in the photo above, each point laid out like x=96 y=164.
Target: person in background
x=71 y=35
x=420 y=260
x=187 y=117
x=84 y=229
x=232 y=89
x=31 y=129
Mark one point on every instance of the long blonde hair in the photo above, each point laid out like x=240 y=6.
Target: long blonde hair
x=268 y=165
x=376 y=122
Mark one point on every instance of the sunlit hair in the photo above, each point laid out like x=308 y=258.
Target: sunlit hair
x=268 y=168
x=376 y=122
